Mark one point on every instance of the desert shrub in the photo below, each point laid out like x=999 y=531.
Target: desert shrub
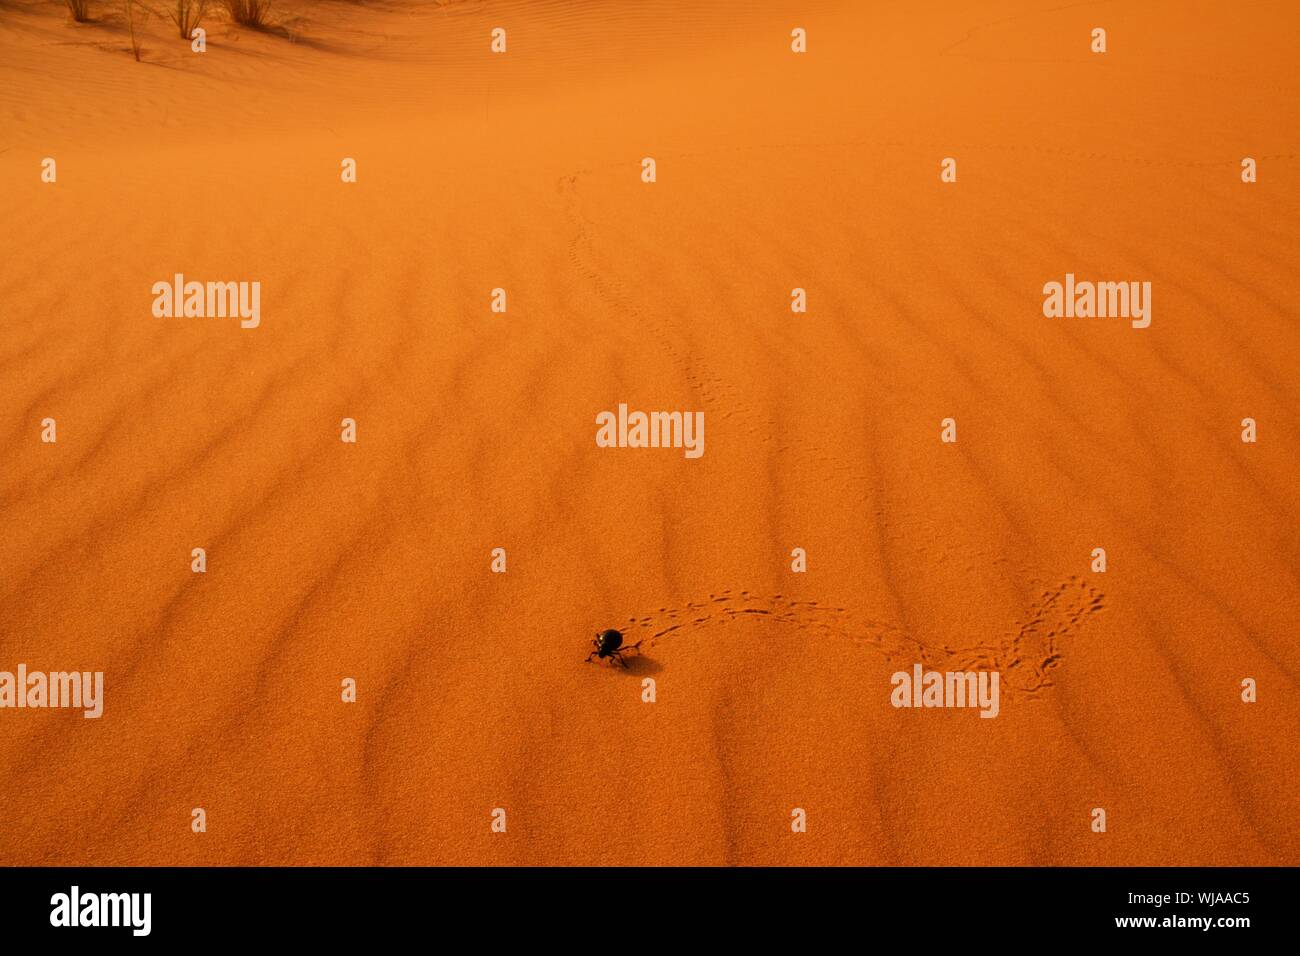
x=130 y=22
x=251 y=13
x=188 y=15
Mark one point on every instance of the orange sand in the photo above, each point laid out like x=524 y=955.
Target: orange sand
x=476 y=431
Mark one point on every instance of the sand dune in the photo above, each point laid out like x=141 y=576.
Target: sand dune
x=475 y=431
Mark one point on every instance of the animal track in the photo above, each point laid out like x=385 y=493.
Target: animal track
x=1025 y=654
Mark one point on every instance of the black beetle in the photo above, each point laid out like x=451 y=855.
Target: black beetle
x=609 y=643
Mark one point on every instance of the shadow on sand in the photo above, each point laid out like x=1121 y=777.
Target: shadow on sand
x=637 y=666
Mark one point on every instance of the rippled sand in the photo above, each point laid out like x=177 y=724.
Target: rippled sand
x=475 y=431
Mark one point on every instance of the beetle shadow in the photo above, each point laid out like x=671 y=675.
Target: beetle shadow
x=638 y=666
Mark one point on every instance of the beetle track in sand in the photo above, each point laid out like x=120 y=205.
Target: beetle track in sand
x=1025 y=654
